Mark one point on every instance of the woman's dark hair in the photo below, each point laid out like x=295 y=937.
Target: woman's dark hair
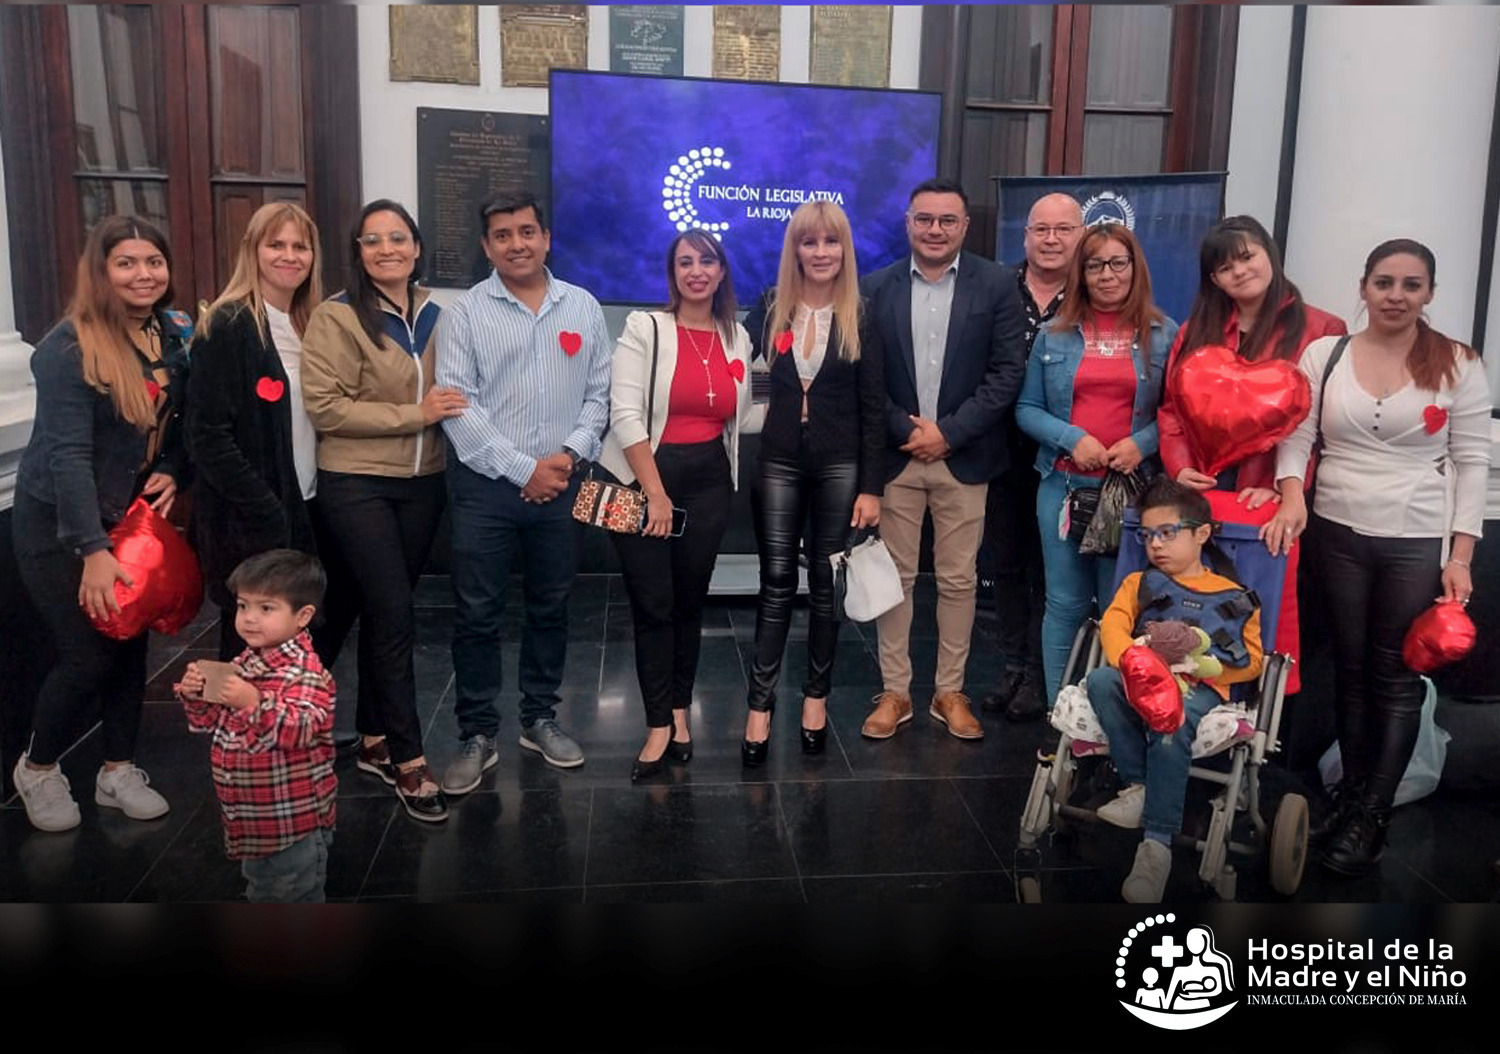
x=1431 y=362
x=285 y=574
x=363 y=296
x=704 y=242
x=1282 y=313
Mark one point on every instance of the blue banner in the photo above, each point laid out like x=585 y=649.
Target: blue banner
x=1169 y=214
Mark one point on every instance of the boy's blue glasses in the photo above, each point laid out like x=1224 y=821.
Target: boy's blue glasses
x=1167 y=532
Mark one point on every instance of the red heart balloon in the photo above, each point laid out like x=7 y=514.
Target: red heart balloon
x=737 y=371
x=268 y=389
x=153 y=390
x=1151 y=688
x=1232 y=409
x=570 y=342
x=1433 y=419
x=784 y=342
x=1442 y=634
x=166 y=587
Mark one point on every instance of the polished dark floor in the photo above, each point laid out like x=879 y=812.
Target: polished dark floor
x=920 y=817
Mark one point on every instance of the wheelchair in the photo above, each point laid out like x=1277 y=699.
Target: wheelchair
x=1049 y=811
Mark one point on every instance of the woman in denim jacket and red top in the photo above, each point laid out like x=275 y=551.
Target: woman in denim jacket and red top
x=1239 y=274
x=1076 y=382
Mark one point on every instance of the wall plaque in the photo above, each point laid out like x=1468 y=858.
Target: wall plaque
x=747 y=42
x=537 y=37
x=645 y=38
x=851 y=45
x=435 y=43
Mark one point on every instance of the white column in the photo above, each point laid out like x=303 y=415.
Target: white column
x=17 y=393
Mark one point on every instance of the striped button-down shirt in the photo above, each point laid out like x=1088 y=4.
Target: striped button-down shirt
x=931 y=304
x=536 y=381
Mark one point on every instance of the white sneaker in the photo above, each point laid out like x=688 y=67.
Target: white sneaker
x=128 y=788
x=1147 y=880
x=1125 y=810
x=48 y=797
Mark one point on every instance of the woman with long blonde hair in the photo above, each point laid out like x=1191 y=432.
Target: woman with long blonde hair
x=821 y=453
x=110 y=382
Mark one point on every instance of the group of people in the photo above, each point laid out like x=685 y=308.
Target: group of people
x=944 y=385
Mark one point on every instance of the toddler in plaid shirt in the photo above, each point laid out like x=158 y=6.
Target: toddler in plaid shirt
x=272 y=728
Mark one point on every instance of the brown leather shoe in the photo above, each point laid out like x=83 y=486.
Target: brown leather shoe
x=892 y=710
x=953 y=710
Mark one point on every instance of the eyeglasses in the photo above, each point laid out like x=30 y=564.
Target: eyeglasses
x=399 y=239
x=1047 y=230
x=1116 y=264
x=1167 y=532
x=923 y=221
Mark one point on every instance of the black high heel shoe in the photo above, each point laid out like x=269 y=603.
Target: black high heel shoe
x=680 y=751
x=753 y=755
x=644 y=770
x=815 y=740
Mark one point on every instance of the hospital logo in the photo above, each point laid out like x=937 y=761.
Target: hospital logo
x=677 y=187
x=1109 y=207
x=1173 y=976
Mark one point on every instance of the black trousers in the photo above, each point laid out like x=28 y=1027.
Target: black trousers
x=792 y=498
x=1375 y=587
x=667 y=578
x=1010 y=531
x=384 y=528
x=336 y=614
x=90 y=666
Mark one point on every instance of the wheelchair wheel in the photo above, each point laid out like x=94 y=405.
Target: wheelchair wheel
x=1289 y=844
x=1029 y=890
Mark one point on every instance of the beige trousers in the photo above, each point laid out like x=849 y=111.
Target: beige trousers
x=957 y=527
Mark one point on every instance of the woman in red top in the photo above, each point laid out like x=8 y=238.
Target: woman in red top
x=1245 y=303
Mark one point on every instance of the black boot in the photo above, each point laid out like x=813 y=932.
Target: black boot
x=1344 y=796
x=999 y=699
x=1356 y=848
x=1028 y=703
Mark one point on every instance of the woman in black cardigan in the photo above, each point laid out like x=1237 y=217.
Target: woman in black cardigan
x=251 y=442
x=821 y=452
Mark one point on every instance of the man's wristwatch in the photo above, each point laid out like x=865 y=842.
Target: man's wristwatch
x=575 y=457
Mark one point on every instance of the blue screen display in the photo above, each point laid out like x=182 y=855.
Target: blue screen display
x=635 y=159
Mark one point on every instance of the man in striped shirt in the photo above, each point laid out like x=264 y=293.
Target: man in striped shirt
x=532 y=356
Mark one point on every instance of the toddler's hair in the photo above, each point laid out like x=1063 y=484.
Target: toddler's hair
x=287 y=574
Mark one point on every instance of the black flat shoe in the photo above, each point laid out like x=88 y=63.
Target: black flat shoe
x=681 y=752
x=644 y=770
x=814 y=740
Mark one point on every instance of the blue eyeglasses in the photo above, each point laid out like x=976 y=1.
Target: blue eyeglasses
x=1167 y=532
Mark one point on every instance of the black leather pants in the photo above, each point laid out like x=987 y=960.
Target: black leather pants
x=793 y=500
x=1375 y=588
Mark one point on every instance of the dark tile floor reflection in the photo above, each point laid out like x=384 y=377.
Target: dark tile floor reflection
x=921 y=817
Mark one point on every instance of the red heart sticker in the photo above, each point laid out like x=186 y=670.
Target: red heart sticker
x=784 y=342
x=268 y=389
x=1232 y=409
x=153 y=389
x=570 y=342
x=737 y=371
x=1434 y=417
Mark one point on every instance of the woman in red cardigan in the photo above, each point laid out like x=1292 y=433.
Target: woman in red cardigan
x=1245 y=303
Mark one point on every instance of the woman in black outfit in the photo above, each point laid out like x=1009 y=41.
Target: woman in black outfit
x=821 y=452
x=110 y=382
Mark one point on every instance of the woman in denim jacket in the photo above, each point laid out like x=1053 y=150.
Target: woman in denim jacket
x=1092 y=387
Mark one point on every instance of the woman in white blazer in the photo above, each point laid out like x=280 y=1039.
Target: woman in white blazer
x=679 y=398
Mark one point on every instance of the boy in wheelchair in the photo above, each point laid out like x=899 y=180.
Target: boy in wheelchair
x=1176 y=526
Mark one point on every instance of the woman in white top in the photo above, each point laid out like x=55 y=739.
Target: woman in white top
x=1404 y=416
x=251 y=443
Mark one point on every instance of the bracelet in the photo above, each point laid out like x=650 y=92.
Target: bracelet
x=1461 y=563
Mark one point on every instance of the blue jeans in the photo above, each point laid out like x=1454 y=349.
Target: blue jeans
x=1142 y=756
x=295 y=875
x=1073 y=581
x=491 y=524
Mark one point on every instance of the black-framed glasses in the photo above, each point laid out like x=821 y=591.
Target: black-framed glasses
x=924 y=220
x=1167 y=532
x=1117 y=264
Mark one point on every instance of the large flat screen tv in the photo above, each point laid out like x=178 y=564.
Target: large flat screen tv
x=637 y=158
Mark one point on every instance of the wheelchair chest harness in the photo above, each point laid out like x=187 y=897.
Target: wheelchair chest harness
x=1221 y=613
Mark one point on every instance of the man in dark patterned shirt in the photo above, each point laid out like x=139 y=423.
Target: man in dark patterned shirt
x=272 y=725
x=1053 y=230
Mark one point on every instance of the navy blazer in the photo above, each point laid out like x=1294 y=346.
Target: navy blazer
x=984 y=363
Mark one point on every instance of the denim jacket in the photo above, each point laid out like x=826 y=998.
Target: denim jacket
x=1044 y=410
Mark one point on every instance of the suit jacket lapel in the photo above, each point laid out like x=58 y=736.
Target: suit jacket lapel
x=963 y=297
x=903 y=322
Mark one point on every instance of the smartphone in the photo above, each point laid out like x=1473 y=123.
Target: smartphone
x=679 y=521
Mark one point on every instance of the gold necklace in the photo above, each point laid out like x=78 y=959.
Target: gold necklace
x=703 y=357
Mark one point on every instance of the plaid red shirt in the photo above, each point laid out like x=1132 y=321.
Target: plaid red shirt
x=273 y=764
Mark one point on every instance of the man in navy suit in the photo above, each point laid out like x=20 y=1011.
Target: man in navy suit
x=954 y=329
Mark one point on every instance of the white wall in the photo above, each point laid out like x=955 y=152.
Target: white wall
x=1393 y=141
x=1256 y=119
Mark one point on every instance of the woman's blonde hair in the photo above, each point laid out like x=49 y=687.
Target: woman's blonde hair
x=244 y=283
x=819 y=217
x=104 y=328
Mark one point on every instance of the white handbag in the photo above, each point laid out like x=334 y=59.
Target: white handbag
x=867 y=579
